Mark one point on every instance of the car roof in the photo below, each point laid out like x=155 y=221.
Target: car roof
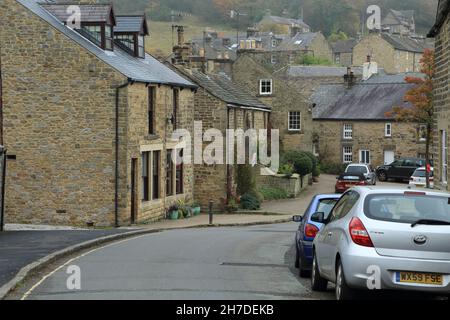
x=358 y=165
x=397 y=190
x=328 y=196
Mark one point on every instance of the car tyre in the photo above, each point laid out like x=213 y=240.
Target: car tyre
x=343 y=291
x=302 y=272
x=296 y=258
x=382 y=176
x=317 y=282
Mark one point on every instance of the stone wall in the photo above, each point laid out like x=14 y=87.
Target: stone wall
x=392 y=60
x=367 y=135
x=442 y=99
x=285 y=98
x=59 y=123
x=293 y=185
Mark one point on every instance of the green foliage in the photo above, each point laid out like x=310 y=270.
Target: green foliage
x=302 y=163
x=245 y=179
x=232 y=206
x=311 y=60
x=273 y=193
x=337 y=36
x=287 y=169
x=250 y=202
x=316 y=171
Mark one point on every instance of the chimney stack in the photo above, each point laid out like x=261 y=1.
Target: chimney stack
x=369 y=68
x=349 y=78
x=180 y=32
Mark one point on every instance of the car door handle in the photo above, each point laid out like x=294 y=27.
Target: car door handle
x=330 y=234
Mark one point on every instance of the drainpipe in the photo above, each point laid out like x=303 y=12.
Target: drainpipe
x=1 y=99
x=228 y=166
x=116 y=178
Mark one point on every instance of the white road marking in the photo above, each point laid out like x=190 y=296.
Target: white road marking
x=28 y=293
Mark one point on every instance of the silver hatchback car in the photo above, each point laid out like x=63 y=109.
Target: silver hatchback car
x=381 y=238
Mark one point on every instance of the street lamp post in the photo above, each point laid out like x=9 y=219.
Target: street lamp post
x=236 y=14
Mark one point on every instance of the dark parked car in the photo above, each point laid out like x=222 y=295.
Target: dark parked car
x=307 y=230
x=348 y=180
x=401 y=169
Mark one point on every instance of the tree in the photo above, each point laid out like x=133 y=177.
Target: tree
x=421 y=99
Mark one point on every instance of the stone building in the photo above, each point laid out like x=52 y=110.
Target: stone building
x=351 y=125
x=343 y=52
x=399 y=22
x=291 y=110
x=441 y=31
x=220 y=104
x=395 y=53
x=88 y=124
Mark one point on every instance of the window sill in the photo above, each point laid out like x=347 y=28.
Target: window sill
x=152 y=137
x=266 y=95
x=295 y=131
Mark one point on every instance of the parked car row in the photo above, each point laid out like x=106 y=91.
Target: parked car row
x=376 y=238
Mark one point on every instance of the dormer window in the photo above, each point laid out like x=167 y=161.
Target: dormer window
x=129 y=34
x=97 y=23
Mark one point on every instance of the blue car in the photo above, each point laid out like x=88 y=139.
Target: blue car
x=308 y=229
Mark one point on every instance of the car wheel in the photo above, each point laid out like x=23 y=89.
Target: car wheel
x=317 y=282
x=382 y=176
x=343 y=291
x=296 y=258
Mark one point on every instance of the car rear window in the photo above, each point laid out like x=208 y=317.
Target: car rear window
x=356 y=169
x=407 y=208
x=421 y=174
x=326 y=205
x=349 y=177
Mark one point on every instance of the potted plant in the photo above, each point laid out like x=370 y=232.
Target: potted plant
x=196 y=209
x=173 y=212
x=184 y=209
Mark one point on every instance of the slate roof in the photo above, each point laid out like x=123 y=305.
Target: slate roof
x=344 y=46
x=320 y=71
x=393 y=78
x=131 y=24
x=442 y=13
x=89 y=12
x=405 y=17
x=407 y=43
x=148 y=70
x=287 y=21
x=361 y=102
x=223 y=88
x=300 y=41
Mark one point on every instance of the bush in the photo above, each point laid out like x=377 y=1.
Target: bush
x=273 y=193
x=316 y=171
x=333 y=168
x=315 y=163
x=250 y=202
x=287 y=170
x=245 y=179
x=302 y=163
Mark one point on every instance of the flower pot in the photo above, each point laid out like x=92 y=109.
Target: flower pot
x=196 y=211
x=173 y=215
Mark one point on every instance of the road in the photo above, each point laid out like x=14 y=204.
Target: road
x=224 y=263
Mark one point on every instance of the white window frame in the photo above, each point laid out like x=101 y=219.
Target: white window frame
x=266 y=93
x=348 y=131
x=274 y=43
x=388 y=130
x=347 y=154
x=422 y=126
x=273 y=59
x=444 y=157
x=299 y=114
x=367 y=156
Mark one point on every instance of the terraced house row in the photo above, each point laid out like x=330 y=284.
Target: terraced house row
x=88 y=117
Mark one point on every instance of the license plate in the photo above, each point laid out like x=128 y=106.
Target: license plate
x=421 y=278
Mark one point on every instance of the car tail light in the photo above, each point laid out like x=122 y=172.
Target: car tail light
x=362 y=183
x=311 y=230
x=359 y=234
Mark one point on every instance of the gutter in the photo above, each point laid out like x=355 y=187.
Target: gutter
x=116 y=160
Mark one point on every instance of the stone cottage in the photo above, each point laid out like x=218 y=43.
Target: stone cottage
x=394 y=52
x=343 y=52
x=441 y=30
x=283 y=25
x=88 y=117
x=351 y=125
x=399 y=22
x=291 y=110
x=220 y=104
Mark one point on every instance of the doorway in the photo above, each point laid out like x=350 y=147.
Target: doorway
x=389 y=156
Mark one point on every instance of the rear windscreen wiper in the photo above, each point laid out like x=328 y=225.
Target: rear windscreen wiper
x=431 y=222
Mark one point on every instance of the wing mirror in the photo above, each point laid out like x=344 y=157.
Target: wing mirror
x=297 y=218
x=318 y=217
